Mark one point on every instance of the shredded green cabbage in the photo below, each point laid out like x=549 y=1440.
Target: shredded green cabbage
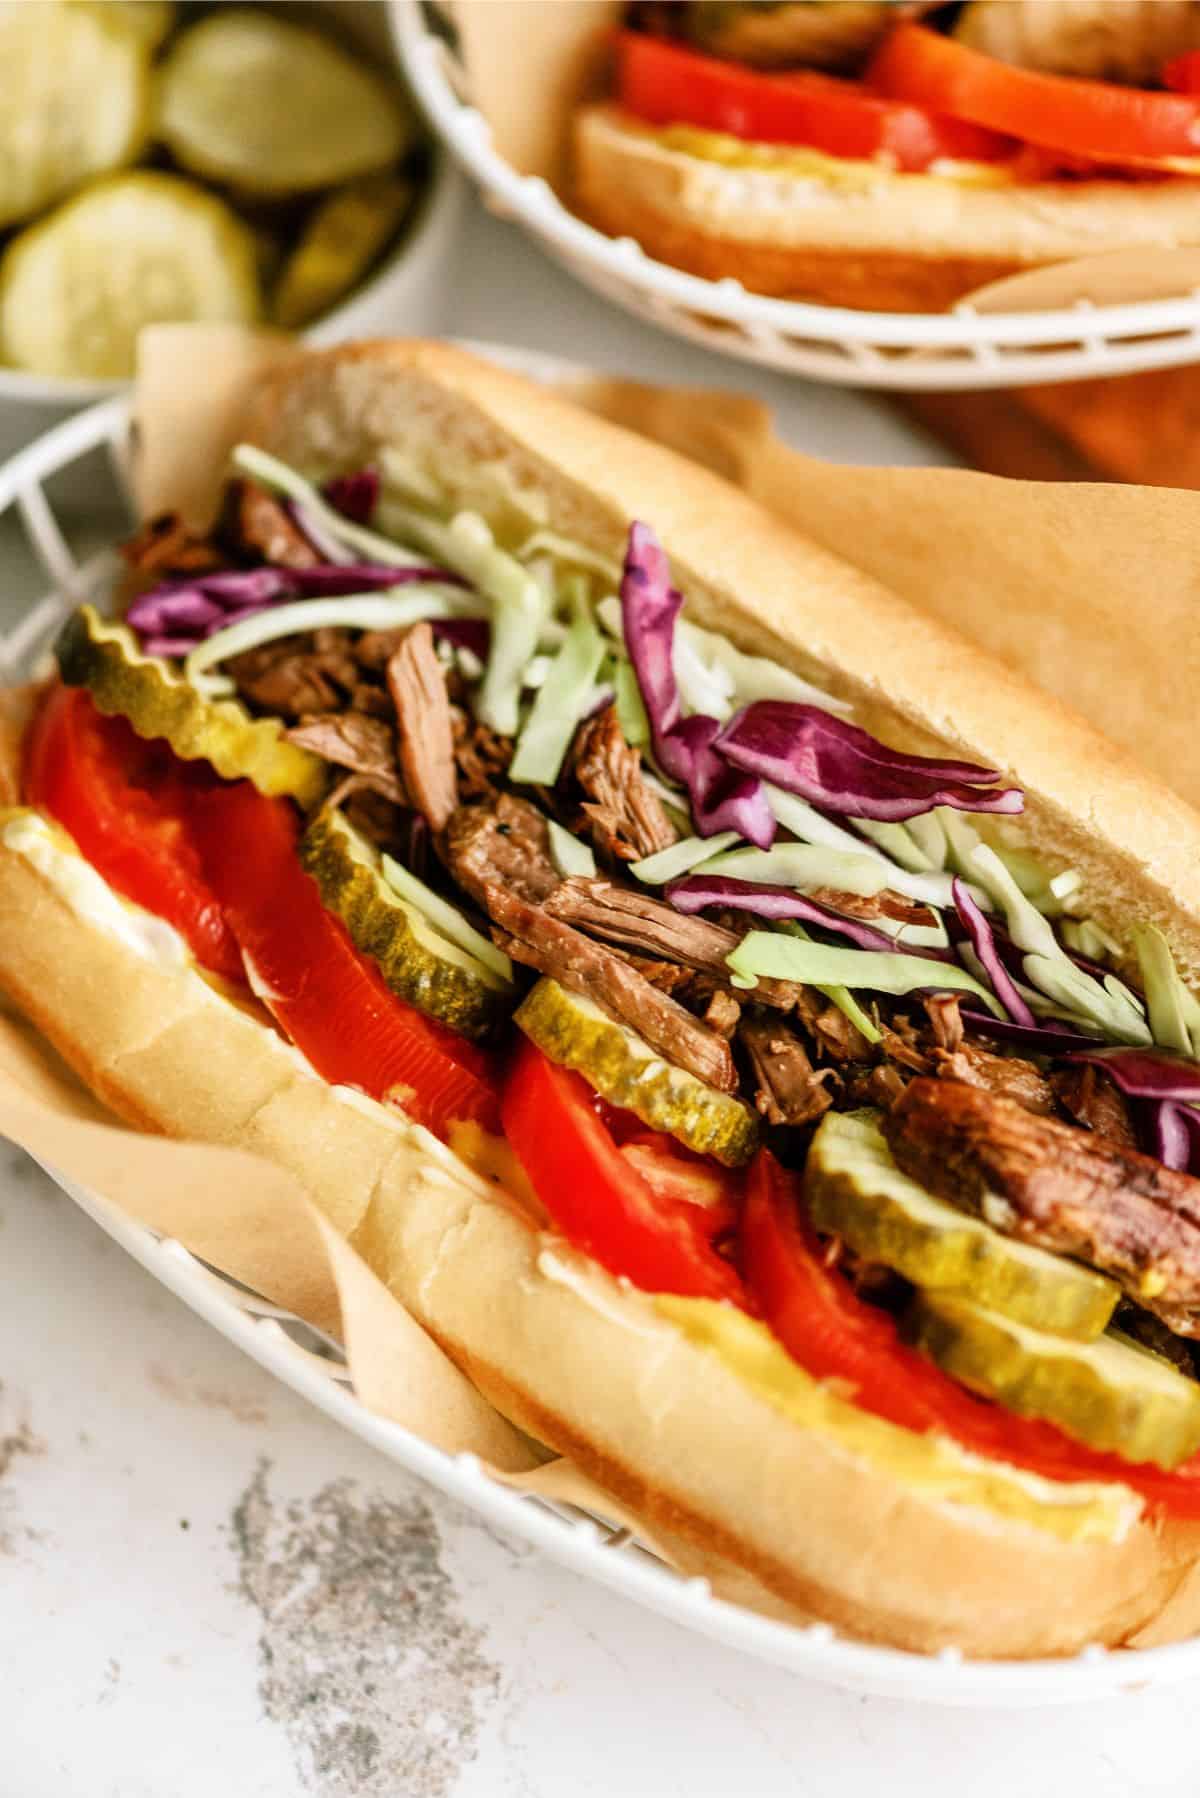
x=1109 y=1007
x=1089 y=938
x=773 y=955
x=446 y=918
x=390 y=609
x=1174 y=1011
x=811 y=826
x=897 y=841
x=627 y=696
x=680 y=858
x=560 y=703
x=841 y=996
x=275 y=475
x=802 y=866
x=570 y=854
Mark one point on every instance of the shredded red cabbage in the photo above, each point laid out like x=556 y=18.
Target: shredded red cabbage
x=836 y=765
x=355 y=495
x=1043 y=1039
x=982 y=941
x=474 y=634
x=685 y=748
x=1148 y=1073
x=1173 y=1133
x=696 y=892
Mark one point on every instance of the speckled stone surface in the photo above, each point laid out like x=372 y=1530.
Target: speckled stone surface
x=208 y=1590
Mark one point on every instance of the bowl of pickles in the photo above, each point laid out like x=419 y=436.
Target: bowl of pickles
x=253 y=164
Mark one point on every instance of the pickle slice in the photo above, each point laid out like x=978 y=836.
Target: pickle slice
x=854 y=1190
x=419 y=964
x=73 y=103
x=133 y=250
x=340 y=242
x=147 y=21
x=1110 y=1394
x=270 y=107
x=630 y=1074
x=104 y=657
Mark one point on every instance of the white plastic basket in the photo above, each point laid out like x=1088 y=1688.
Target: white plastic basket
x=917 y=352
x=314 y=1367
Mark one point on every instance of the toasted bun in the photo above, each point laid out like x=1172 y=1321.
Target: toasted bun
x=902 y=243
x=590 y=1367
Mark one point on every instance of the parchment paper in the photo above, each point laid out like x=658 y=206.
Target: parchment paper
x=1040 y=572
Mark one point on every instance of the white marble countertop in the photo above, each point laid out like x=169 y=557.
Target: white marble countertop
x=208 y=1588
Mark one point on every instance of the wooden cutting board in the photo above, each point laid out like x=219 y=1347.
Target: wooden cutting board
x=1143 y=428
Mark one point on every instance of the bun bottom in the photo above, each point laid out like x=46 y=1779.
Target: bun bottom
x=812 y=1527
x=903 y=243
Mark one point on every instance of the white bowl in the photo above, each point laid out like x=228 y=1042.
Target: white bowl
x=403 y=296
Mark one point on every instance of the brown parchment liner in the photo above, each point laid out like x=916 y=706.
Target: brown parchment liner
x=1070 y=583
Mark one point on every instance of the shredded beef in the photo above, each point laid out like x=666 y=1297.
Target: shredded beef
x=627 y=817
x=789 y=1089
x=373 y=816
x=1154 y=1334
x=260 y=529
x=722 y=1013
x=504 y=842
x=1008 y=1075
x=870 y=906
x=1058 y=1186
x=500 y=854
x=165 y=545
x=882 y=1086
x=829 y=1027
x=903 y=1050
x=418 y=689
x=1093 y=1100
x=945 y=1020
x=367 y=746
x=481 y=756
x=375 y=649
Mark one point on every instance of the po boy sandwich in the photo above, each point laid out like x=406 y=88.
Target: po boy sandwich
x=752 y=1032
x=895 y=156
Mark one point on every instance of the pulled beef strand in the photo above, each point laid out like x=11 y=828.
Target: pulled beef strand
x=500 y=854
x=1095 y=1101
x=426 y=739
x=166 y=545
x=1060 y=1187
x=790 y=1091
x=366 y=746
x=259 y=528
x=627 y=817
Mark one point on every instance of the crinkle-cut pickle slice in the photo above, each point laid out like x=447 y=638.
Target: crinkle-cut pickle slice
x=272 y=108
x=419 y=964
x=854 y=1190
x=74 y=102
x=1110 y=1394
x=341 y=240
x=630 y=1074
x=156 y=699
x=134 y=250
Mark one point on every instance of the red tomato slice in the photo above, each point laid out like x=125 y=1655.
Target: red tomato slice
x=125 y=801
x=1182 y=73
x=665 y=85
x=332 y=1001
x=597 y=1198
x=833 y=1334
x=1095 y=119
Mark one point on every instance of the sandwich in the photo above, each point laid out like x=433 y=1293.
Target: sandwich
x=894 y=156
x=753 y=1033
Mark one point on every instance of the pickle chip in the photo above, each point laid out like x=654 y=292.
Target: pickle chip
x=147 y=21
x=420 y=965
x=853 y=1189
x=1110 y=1394
x=630 y=1074
x=158 y=702
x=339 y=243
x=133 y=250
x=74 y=102
x=270 y=107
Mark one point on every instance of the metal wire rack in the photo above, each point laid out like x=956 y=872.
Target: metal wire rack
x=916 y=352
x=314 y=1366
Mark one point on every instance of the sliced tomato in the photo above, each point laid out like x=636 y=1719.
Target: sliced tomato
x=664 y=84
x=332 y=1001
x=1182 y=73
x=835 y=1335
x=1098 y=120
x=125 y=802
x=600 y=1200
